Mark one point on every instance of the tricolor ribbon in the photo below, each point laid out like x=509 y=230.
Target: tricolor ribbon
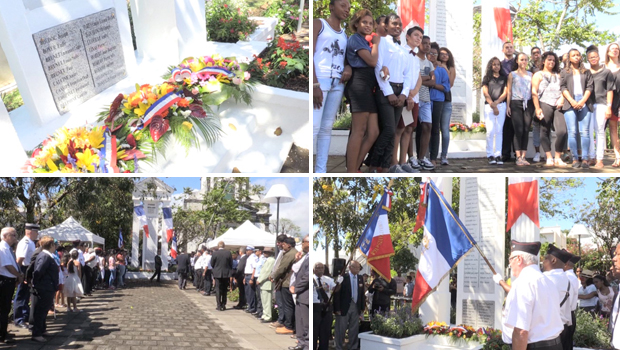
x=108 y=153
x=206 y=72
x=179 y=74
x=160 y=105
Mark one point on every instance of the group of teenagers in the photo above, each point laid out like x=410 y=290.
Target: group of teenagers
x=381 y=79
x=548 y=93
x=38 y=276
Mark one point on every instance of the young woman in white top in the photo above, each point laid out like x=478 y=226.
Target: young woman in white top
x=520 y=107
x=612 y=63
x=329 y=76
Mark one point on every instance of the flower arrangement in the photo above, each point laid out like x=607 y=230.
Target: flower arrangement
x=140 y=125
x=287 y=12
x=474 y=128
x=227 y=21
x=490 y=338
x=282 y=63
x=80 y=150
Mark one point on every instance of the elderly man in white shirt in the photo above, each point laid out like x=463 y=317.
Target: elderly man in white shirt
x=531 y=317
x=24 y=251
x=10 y=276
x=553 y=265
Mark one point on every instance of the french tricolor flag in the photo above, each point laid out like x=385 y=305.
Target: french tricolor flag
x=446 y=241
x=173 y=246
x=139 y=210
x=168 y=223
x=375 y=243
x=522 y=200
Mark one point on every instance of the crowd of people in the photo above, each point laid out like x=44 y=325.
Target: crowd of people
x=577 y=100
x=399 y=96
x=47 y=277
x=260 y=276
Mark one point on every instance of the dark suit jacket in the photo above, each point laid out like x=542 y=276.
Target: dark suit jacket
x=158 y=261
x=183 y=263
x=302 y=283
x=343 y=297
x=45 y=275
x=567 y=83
x=221 y=261
x=241 y=267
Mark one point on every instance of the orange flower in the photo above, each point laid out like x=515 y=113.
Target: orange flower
x=283 y=64
x=183 y=103
x=164 y=113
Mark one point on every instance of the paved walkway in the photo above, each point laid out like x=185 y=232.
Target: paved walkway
x=151 y=316
x=336 y=164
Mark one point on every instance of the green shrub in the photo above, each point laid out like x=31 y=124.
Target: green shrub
x=280 y=62
x=287 y=12
x=234 y=295
x=397 y=324
x=591 y=332
x=343 y=121
x=12 y=100
x=227 y=21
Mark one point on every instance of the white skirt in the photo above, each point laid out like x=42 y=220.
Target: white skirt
x=73 y=286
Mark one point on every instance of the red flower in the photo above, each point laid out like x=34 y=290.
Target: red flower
x=225 y=6
x=232 y=30
x=283 y=64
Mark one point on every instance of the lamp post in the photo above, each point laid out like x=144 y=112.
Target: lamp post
x=278 y=193
x=579 y=230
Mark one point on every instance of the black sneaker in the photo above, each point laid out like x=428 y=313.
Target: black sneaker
x=492 y=160
x=499 y=160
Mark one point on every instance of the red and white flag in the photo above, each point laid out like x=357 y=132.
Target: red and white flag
x=173 y=246
x=496 y=29
x=522 y=200
x=411 y=13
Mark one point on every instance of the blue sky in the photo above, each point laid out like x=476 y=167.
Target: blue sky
x=581 y=196
x=296 y=211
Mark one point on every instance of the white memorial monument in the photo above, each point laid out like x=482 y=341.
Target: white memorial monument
x=482 y=210
x=451 y=26
x=153 y=194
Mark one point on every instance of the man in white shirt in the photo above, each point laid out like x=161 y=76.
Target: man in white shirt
x=199 y=269
x=89 y=265
x=613 y=319
x=574 y=290
x=250 y=286
x=391 y=95
x=10 y=276
x=531 y=317
x=207 y=274
x=24 y=251
x=322 y=288
x=404 y=133
x=553 y=266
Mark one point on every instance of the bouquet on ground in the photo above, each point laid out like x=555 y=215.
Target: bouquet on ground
x=81 y=150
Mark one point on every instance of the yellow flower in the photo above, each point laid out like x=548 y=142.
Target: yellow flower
x=328 y=188
x=44 y=156
x=85 y=160
x=141 y=110
x=68 y=170
x=213 y=86
x=196 y=66
x=188 y=125
x=95 y=137
x=52 y=166
x=62 y=136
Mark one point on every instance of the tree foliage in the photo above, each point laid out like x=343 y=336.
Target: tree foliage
x=550 y=24
x=102 y=205
x=286 y=226
x=321 y=7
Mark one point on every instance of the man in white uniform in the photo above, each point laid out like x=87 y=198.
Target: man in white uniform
x=24 y=251
x=531 y=318
x=553 y=265
x=574 y=290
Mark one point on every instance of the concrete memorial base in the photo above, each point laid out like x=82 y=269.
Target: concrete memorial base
x=142 y=275
x=369 y=341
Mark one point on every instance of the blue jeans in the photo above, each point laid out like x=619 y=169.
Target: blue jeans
x=579 y=120
x=250 y=294
x=121 y=275
x=445 y=129
x=112 y=277
x=323 y=120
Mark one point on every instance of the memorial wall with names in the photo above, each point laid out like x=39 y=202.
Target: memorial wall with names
x=482 y=211
x=81 y=58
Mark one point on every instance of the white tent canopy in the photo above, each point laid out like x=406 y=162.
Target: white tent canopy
x=70 y=230
x=246 y=234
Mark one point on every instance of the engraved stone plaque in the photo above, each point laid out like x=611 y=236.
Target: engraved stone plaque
x=459 y=112
x=81 y=58
x=479 y=313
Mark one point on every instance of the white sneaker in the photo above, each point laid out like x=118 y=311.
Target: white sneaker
x=426 y=164
x=413 y=162
x=536 y=157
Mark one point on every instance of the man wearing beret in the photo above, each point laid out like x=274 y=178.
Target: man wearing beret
x=553 y=265
x=574 y=290
x=23 y=253
x=531 y=318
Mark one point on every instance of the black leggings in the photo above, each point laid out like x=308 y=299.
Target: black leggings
x=389 y=116
x=521 y=121
x=435 y=137
x=553 y=116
